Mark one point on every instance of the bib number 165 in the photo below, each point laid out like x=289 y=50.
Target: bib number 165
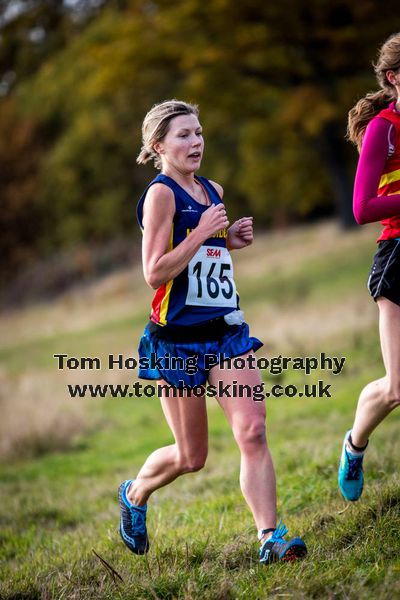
x=211 y=281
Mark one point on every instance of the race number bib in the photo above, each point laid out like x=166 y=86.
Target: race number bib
x=210 y=275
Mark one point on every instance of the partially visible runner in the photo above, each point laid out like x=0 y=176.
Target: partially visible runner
x=195 y=311
x=374 y=125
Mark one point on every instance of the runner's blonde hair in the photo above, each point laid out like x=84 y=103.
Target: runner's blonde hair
x=156 y=124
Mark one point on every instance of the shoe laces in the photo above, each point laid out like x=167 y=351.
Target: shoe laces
x=279 y=532
x=354 y=467
x=138 y=521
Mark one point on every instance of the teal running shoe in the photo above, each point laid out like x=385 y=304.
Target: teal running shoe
x=277 y=548
x=350 y=474
x=133 y=522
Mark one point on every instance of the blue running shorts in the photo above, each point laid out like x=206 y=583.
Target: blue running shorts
x=185 y=364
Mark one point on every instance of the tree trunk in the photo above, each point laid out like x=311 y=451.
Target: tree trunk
x=332 y=145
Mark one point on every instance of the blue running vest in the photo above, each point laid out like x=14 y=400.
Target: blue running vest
x=205 y=289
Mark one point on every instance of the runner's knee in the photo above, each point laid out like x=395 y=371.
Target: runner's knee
x=391 y=395
x=189 y=463
x=250 y=435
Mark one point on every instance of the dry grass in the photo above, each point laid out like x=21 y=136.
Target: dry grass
x=304 y=330
x=111 y=298
x=35 y=417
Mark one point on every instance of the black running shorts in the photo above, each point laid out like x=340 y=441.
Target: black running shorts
x=384 y=277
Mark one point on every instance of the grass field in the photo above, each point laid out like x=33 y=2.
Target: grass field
x=62 y=459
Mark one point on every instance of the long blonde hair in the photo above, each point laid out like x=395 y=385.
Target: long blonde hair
x=369 y=106
x=156 y=124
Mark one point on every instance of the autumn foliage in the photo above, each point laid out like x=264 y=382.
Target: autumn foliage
x=274 y=82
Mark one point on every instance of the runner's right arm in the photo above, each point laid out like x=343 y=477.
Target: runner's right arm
x=159 y=263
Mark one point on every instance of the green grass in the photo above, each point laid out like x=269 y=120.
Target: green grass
x=317 y=278
x=59 y=507
x=79 y=343
x=56 y=508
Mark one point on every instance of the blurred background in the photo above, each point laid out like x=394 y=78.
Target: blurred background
x=274 y=82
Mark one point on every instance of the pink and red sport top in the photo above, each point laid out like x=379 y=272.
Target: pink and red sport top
x=377 y=183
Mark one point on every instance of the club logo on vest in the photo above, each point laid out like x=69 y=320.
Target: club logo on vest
x=189 y=209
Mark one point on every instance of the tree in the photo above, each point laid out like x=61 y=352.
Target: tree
x=274 y=82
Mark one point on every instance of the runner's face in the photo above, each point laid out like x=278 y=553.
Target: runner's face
x=183 y=146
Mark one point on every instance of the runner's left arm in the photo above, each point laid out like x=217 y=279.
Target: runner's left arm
x=368 y=207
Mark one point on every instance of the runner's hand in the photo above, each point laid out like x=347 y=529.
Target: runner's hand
x=213 y=220
x=240 y=234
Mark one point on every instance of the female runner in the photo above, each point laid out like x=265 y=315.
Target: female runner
x=195 y=312
x=374 y=125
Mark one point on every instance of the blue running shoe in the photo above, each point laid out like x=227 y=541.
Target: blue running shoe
x=350 y=474
x=133 y=522
x=277 y=548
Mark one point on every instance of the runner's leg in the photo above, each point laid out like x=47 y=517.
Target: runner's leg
x=247 y=420
x=187 y=419
x=380 y=397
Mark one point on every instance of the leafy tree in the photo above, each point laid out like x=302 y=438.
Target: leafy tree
x=274 y=82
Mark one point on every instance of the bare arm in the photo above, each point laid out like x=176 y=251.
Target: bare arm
x=160 y=263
